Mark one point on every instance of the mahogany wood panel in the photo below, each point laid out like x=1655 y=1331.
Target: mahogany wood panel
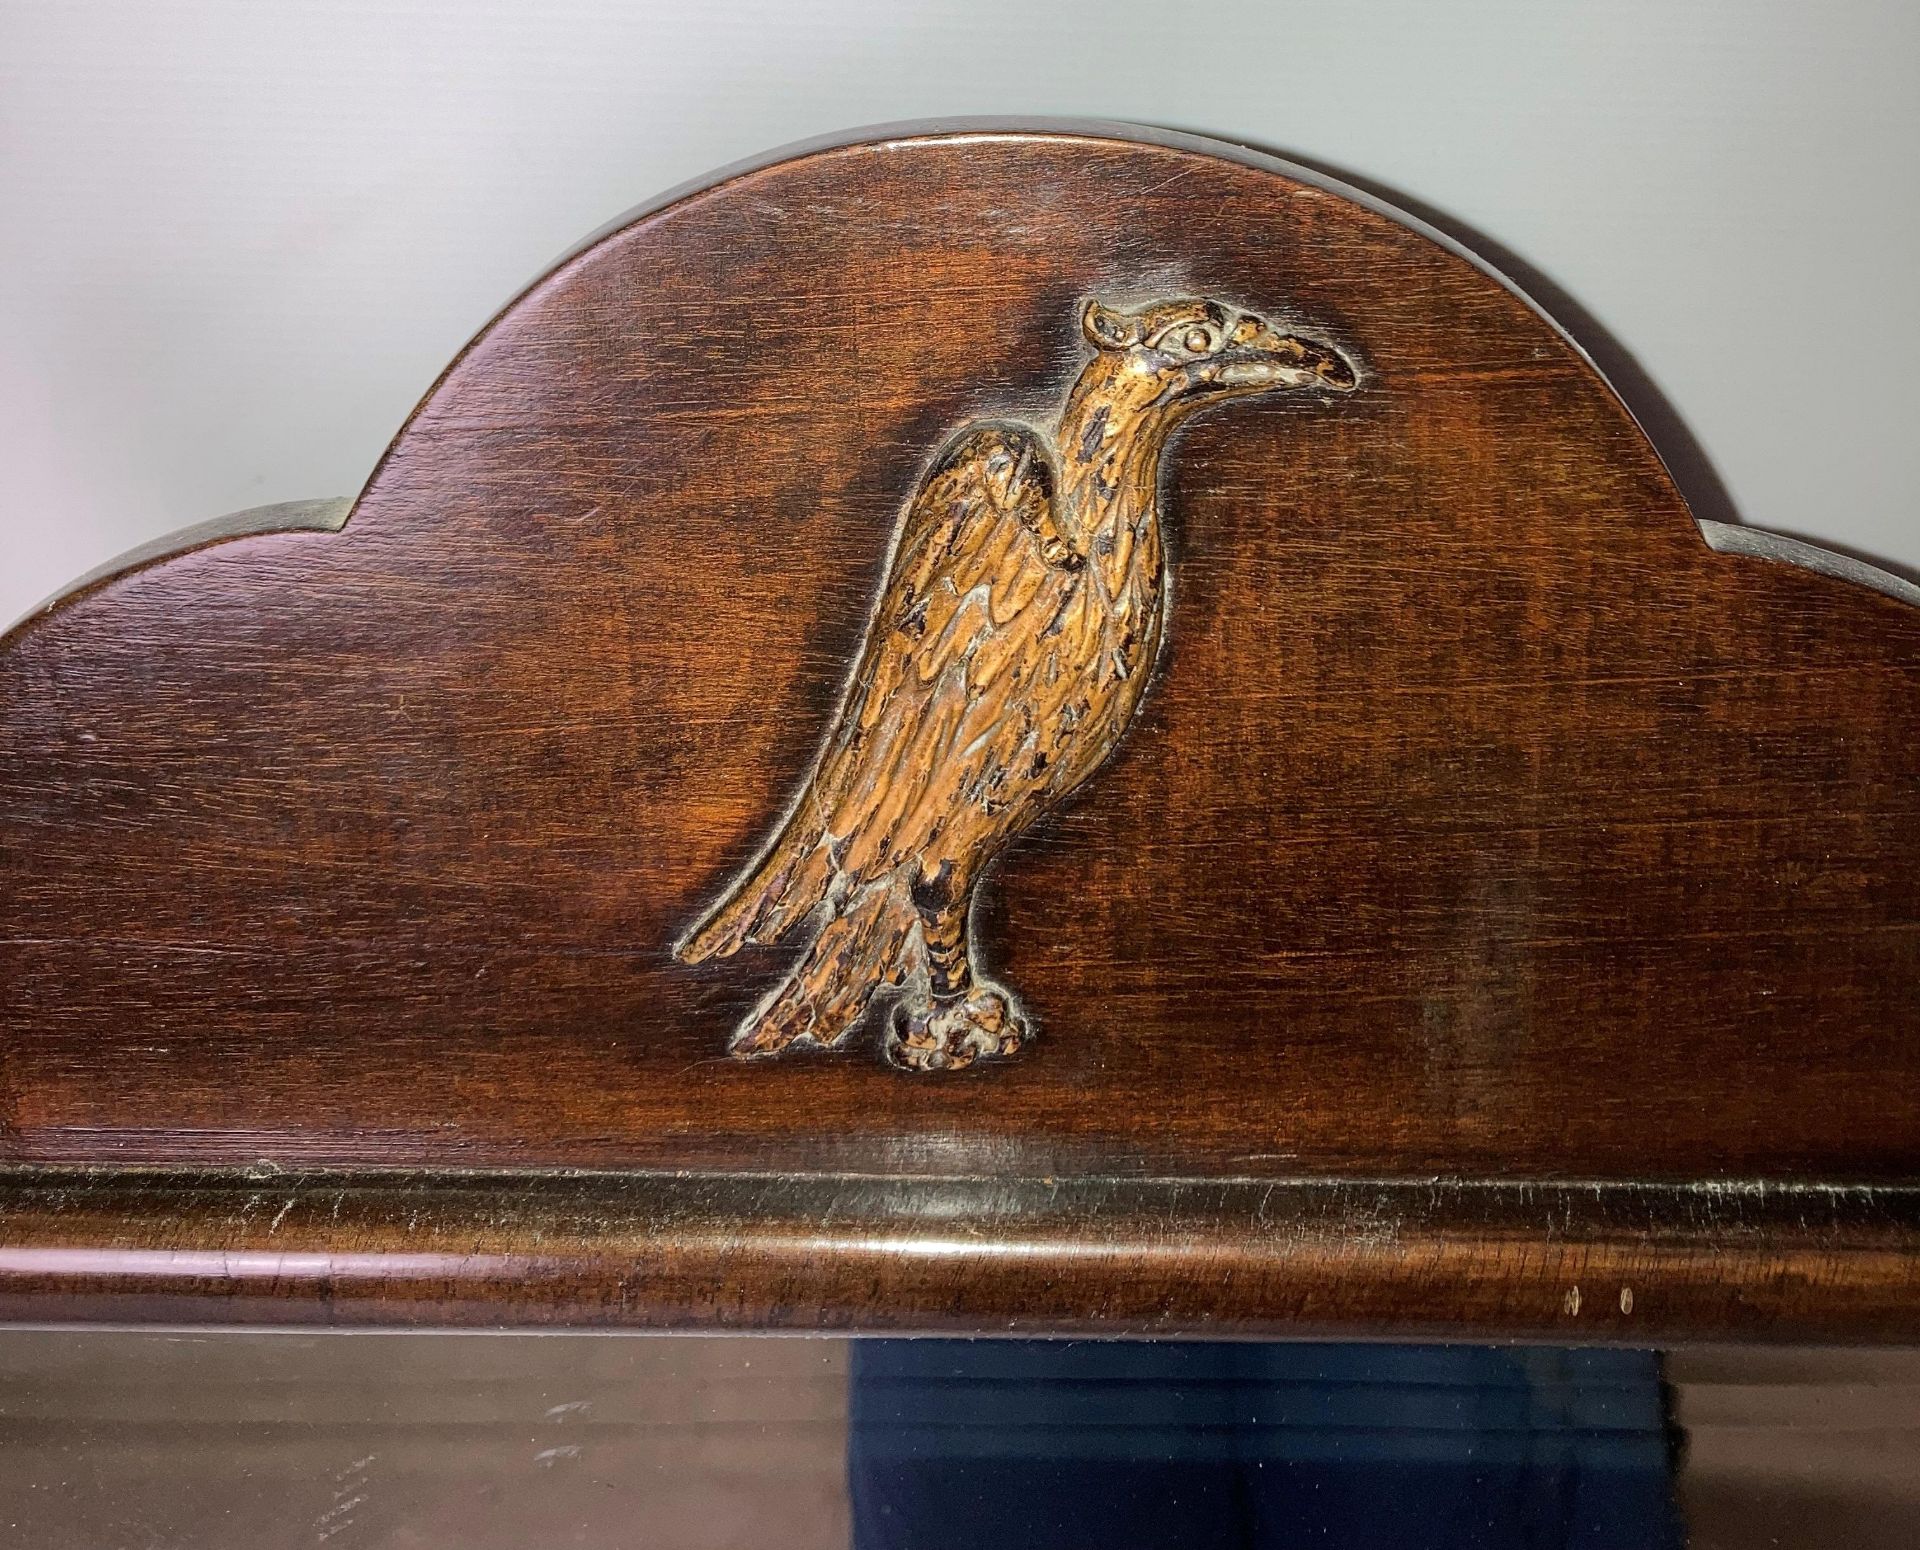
x=1481 y=823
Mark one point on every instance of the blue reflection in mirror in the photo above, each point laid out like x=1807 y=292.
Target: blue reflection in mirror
x=1053 y=1445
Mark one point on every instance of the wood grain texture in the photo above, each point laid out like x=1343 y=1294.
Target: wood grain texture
x=1482 y=822
x=1636 y=1264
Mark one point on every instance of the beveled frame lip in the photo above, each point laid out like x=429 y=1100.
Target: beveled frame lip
x=1762 y=543
x=649 y=1251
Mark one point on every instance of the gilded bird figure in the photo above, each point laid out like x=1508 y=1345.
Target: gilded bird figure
x=1022 y=610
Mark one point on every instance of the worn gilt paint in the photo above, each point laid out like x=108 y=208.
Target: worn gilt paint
x=1015 y=634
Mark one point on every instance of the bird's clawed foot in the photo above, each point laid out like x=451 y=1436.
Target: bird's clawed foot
x=945 y=1033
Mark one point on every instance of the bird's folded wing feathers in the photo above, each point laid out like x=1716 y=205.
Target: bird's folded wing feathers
x=980 y=566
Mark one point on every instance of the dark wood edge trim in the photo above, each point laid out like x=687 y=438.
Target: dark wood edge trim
x=1757 y=543
x=318 y=516
x=332 y=515
x=1635 y=1263
x=989 y=127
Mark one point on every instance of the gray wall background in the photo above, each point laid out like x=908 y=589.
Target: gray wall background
x=239 y=238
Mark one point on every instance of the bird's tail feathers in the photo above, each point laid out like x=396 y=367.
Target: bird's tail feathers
x=765 y=904
x=869 y=943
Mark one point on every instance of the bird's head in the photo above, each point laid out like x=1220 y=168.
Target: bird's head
x=1180 y=355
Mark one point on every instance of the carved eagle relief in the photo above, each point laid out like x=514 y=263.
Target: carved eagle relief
x=1017 y=627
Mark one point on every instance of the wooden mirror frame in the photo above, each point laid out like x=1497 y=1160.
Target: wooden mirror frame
x=1488 y=908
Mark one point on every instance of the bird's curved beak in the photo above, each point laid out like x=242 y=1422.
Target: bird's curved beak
x=1269 y=359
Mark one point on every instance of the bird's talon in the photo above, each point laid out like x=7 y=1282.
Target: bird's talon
x=929 y=1033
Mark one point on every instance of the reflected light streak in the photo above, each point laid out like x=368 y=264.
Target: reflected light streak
x=998 y=1248
x=249 y=1265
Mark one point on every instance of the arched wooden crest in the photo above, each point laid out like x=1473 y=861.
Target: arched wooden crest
x=813 y=621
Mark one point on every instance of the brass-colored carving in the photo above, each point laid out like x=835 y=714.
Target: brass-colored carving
x=1016 y=631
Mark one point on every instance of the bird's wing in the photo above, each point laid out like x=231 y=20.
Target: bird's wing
x=979 y=570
